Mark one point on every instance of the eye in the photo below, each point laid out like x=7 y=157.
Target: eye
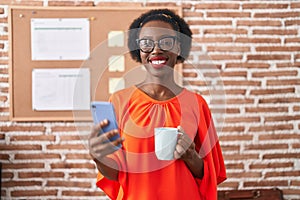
x=146 y=42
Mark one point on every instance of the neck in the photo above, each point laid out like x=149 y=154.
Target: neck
x=160 y=91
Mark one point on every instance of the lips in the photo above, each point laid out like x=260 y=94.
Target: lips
x=158 y=61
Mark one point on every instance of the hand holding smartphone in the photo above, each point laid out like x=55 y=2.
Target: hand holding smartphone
x=104 y=110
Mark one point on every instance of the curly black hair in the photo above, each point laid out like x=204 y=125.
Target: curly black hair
x=166 y=15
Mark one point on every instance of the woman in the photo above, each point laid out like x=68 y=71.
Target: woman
x=158 y=39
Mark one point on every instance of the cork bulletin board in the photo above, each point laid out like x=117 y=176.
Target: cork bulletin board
x=26 y=57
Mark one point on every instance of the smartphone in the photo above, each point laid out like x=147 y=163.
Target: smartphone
x=105 y=110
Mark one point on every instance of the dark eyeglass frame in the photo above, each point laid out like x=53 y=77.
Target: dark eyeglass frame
x=156 y=42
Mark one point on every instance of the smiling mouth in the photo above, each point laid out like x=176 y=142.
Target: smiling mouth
x=158 y=62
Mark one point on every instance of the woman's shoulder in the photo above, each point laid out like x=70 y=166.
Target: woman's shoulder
x=123 y=93
x=191 y=93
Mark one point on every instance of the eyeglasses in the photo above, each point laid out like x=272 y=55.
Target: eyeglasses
x=147 y=45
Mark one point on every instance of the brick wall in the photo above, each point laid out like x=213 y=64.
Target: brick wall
x=254 y=47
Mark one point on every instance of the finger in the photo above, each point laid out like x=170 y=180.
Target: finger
x=97 y=128
x=118 y=141
x=180 y=149
x=180 y=129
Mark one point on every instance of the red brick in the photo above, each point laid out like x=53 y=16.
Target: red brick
x=77 y=194
x=70 y=137
x=295 y=5
x=242 y=83
x=265 y=6
x=23 y=166
x=282 y=82
x=18 y=128
x=190 y=74
x=258 y=40
x=292 y=40
x=231 y=129
x=269 y=57
x=285 y=136
x=37 y=156
x=241 y=119
x=282 y=155
x=288 y=65
x=3 y=98
x=192 y=14
x=282 y=118
x=283 y=174
x=228 y=48
x=296 y=108
x=83 y=175
x=226 y=74
x=42 y=175
x=274 y=32
x=279 y=100
x=292 y=22
x=228 y=14
x=271 y=128
x=266 y=109
x=277 y=14
x=235 y=166
x=208 y=22
x=78 y=156
x=33 y=138
x=266 y=146
x=240 y=157
x=247 y=65
x=20 y=183
x=19 y=147
x=275 y=165
x=37 y=192
x=4 y=156
x=7 y=175
x=235 y=91
x=213 y=39
x=272 y=91
x=229 y=184
x=237 y=31
x=63 y=129
x=271 y=23
x=68 y=184
x=66 y=146
x=236 y=138
x=268 y=183
x=225 y=57
x=295 y=183
x=244 y=174
x=161 y=4
x=222 y=6
x=278 y=48
x=72 y=166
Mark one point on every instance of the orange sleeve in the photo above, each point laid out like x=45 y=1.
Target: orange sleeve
x=208 y=146
x=112 y=188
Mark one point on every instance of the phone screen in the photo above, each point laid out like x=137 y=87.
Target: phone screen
x=104 y=110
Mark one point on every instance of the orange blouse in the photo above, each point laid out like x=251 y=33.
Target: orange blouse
x=141 y=175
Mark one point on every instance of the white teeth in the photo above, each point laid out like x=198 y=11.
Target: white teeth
x=158 y=62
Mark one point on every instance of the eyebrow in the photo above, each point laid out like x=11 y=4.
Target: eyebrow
x=160 y=37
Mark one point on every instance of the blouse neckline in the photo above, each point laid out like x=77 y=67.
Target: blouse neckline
x=158 y=101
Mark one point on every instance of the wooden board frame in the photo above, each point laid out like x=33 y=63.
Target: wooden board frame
x=21 y=65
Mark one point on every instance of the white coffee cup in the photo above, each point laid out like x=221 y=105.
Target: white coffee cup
x=165 y=142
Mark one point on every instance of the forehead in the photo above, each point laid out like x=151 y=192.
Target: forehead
x=156 y=29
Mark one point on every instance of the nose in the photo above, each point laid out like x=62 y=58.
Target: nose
x=156 y=47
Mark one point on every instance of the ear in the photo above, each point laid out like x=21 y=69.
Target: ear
x=178 y=54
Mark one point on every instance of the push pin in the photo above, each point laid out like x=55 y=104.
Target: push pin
x=21 y=15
